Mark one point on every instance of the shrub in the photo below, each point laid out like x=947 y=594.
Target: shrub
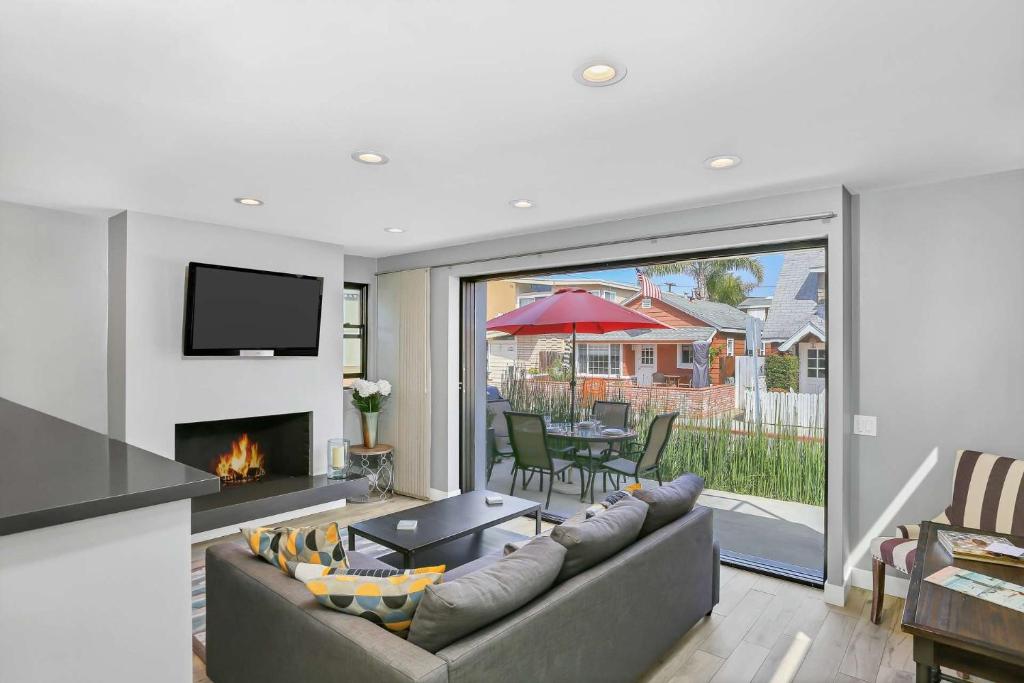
x=782 y=372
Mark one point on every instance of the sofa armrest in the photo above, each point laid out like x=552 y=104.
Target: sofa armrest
x=263 y=625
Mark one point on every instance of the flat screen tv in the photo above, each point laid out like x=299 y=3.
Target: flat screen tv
x=242 y=312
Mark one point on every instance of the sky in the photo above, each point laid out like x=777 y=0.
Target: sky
x=771 y=262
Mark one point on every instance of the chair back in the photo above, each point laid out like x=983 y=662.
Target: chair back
x=987 y=493
x=611 y=413
x=498 y=408
x=658 y=378
x=658 y=435
x=528 y=437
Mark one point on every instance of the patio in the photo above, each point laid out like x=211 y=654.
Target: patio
x=786 y=533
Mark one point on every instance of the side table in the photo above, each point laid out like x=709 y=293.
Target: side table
x=377 y=464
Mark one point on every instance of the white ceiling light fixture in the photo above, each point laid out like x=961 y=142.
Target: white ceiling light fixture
x=599 y=73
x=249 y=201
x=722 y=162
x=521 y=203
x=394 y=230
x=371 y=158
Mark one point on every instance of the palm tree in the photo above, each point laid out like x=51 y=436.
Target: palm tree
x=715 y=279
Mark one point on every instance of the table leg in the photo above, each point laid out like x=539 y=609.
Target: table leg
x=537 y=526
x=926 y=673
x=351 y=539
x=407 y=560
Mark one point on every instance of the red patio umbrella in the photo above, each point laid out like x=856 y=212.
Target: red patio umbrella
x=569 y=311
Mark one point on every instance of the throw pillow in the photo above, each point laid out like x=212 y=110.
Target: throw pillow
x=598 y=538
x=611 y=499
x=388 y=601
x=287 y=547
x=305 y=572
x=453 y=610
x=669 y=502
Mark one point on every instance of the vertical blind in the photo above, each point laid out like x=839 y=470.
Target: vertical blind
x=403 y=358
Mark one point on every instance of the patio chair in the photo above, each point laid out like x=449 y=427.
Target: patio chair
x=988 y=491
x=647 y=456
x=498 y=448
x=528 y=437
x=658 y=380
x=609 y=414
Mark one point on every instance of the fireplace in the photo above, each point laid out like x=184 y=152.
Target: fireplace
x=264 y=467
x=247 y=450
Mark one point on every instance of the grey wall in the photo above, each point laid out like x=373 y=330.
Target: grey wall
x=362 y=270
x=939 y=295
x=162 y=387
x=53 y=313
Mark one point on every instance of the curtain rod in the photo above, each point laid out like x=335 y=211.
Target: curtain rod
x=824 y=216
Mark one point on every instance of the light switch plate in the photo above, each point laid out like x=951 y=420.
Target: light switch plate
x=865 y=425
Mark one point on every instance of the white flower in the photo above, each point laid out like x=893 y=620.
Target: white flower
x=364 y=388
x=384 y=386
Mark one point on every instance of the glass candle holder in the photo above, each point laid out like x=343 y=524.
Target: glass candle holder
x=337 y=458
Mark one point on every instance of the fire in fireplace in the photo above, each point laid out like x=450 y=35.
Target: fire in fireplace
x=243 y=463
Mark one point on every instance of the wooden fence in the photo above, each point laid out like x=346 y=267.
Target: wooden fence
x=787 y=409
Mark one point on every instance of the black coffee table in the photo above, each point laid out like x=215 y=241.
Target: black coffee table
x=452 y=531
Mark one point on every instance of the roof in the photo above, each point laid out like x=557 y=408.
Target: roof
x=571 y=282
x=720 y=316
x=795 y=303
x=678 y=334
x=756 y=302
x=808 y=329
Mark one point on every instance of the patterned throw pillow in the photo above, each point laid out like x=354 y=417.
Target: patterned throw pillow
x=287 y=547
x=304 y=572
x=388 y=601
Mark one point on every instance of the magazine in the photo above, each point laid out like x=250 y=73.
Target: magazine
x=1002 y=593
x=968 y=546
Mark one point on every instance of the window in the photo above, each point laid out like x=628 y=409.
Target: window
x=353 y=326
x=685 y=356
x=821 y=288
x=609 y=295
x=599 y=359
x=645 y=303
x=817 y=363
x=646 y=355
x=730 y=346
x=764 y=349
x=526 y=299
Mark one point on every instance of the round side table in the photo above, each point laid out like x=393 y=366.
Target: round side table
x=377 y=464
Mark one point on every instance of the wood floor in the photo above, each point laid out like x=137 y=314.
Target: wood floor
x=763 y=630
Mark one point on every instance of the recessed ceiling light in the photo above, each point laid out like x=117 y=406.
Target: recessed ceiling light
x=722 y=162
x=249 y=201
x=372 y=158
x=394 y=230
x=521 y=203
x=600 y=73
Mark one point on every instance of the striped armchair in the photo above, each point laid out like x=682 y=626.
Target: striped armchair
x=988 y=495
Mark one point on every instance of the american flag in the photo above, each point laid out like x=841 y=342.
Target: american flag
x=648 y=290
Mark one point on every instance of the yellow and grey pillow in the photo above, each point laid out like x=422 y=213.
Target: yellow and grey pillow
x=389 y=602
x=287 y=547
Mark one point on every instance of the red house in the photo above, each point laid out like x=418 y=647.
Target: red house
x=639 y=354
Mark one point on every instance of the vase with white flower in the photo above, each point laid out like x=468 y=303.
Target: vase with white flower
x=369 y=398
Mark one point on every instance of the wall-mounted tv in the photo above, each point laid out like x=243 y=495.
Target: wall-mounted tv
x=245 y=312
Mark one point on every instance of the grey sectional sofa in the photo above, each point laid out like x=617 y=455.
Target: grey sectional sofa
x=610 y=623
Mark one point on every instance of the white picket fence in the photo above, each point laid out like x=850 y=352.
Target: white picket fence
x=787 y=409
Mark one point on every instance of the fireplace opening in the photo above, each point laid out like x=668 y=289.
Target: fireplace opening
x=249 y=449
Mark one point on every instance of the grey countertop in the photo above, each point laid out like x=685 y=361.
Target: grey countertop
x=53 y=471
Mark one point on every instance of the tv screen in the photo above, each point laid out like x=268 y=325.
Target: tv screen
x=231 y=311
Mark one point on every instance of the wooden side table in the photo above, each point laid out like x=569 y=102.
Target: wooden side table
x=377 y=464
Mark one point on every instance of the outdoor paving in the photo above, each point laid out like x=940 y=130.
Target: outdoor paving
x=782 y=531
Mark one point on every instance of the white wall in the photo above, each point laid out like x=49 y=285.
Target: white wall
x=362 y=270
x=162 y=387
x=53 y=313
x=939 y=293
x=103 y=599
x=700 y=224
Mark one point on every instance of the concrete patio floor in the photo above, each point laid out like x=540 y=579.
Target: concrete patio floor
x=783 y=532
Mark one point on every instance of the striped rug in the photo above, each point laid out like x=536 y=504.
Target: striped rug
x=199 y=590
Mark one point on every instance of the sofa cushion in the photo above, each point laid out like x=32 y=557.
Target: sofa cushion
x=286 y=547
x=386 y=601
x=669 y=502
x=598 y=538
x=452 y=610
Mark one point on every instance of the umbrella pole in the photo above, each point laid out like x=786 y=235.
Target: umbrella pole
x=572 y=379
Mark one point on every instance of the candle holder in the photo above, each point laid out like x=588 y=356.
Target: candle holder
x=337 y=458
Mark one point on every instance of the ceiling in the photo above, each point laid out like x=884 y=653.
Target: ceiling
x=177 y=108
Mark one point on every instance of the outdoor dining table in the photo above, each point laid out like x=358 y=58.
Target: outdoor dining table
x=588 y=436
